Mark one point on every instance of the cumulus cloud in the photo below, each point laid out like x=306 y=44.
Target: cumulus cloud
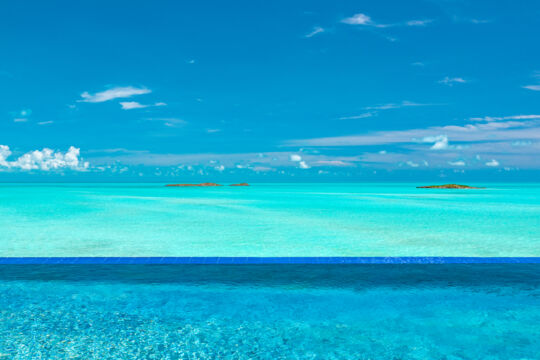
x=113 y=93
x=45 y=159
x=492 y=163
x=358 y=19
x=451 y=81
x=303 y=165
x=295 y=157
x=439 y=142
x=316 y=30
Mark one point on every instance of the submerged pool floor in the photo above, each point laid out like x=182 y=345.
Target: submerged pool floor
x=443 y=311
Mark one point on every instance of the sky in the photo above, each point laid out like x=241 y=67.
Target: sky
x=270 y=90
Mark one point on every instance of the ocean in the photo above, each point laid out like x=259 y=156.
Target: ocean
x=282 y=220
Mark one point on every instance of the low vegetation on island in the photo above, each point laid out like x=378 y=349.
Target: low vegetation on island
x=205 y=185
x=448 y=186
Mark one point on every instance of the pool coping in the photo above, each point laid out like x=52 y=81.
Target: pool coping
x=265 y=260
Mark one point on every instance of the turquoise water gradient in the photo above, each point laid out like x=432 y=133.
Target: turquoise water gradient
x=446 y=312
x=268 y=220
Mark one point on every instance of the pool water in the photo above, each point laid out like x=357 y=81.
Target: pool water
x=482 y=311
x=284 y=220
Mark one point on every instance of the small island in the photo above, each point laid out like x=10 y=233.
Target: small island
x=448 y=186
x=240 y=184
x=191 y=185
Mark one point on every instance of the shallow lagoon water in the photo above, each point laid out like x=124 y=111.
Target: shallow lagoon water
x=268 y=220
x=270 y=311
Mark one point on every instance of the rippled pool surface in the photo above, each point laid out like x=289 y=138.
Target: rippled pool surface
x=268 y=220
x=270 y=311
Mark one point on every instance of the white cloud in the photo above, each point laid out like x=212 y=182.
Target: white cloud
x=128 y=105
x=219 y=168
x=532 y=87
x=457 y=163
x=295 y=157
x=418 y=22
x=365 y=20
x=338 y=163
x=451 y=81
x=492 y=163
x=303 y=165
x=361 y=116
x=412 y=164
x=389 y=106
x=170 y=122
x=358 y=19
x=114 y=93
x=498 y=118
x=45 y=160
x=21 y=116
x=316 y=30
x=440 y=142
x=45 y=122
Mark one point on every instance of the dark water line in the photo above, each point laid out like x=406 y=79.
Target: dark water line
x=214 y=260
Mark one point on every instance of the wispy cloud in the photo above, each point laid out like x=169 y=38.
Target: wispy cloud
x=168 y=121
x=389 y=106
x=418 y=22
x=457 y=163
x=448 y=81
x=365 y=20
x=412 y=164
x=45 y=159
x=536 y=87
x=113 y=93
x=360 y=116
x=21 y=116
x=499 y=118
x=492 y=163
x=477 y=132
x=45 y=122
x=316 y=30
x=129 y=105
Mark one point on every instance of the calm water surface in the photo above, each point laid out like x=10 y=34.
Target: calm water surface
x=270 y=312
x=268 y=220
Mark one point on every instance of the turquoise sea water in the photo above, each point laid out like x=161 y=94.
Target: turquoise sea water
x=445 y=312
x=268 y=220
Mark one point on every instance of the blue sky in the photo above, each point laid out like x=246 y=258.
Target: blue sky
x=269 y=90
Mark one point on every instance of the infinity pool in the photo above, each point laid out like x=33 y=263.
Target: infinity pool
x=484 y=311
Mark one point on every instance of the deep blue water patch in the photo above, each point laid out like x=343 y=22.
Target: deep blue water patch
x=269 y=260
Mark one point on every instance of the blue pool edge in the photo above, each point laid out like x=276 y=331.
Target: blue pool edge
x=267 y=260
